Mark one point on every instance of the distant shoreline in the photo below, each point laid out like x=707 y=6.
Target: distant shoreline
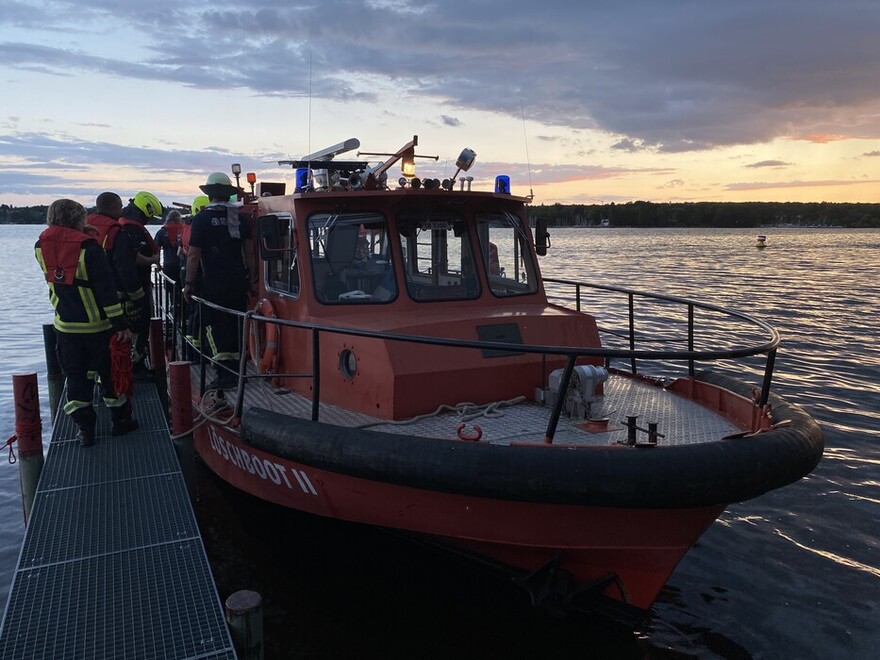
x=758 y=215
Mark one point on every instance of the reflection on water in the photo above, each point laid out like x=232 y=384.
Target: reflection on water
x=794 y=573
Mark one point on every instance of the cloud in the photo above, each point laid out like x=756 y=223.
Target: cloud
x=42 y=150
x=871 y=154
x=769 y=185
x=676 y=76
x=769 y=163
x=628 y=145
x=449 y=121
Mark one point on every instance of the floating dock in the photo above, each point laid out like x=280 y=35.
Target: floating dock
x=112 y=564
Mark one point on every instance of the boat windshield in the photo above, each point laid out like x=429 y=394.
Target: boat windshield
x=506 y=254
x=437 y=256
x=351 y=262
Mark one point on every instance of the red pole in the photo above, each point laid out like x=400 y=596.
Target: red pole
x=180 y=397
x=29 y=432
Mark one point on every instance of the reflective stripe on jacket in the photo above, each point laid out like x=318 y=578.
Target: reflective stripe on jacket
x=81 y=288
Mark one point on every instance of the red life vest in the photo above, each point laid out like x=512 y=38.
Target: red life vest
x=171 y=230
x=185 y=233
x=154 y=249
x=107 y=229
x=61 y=247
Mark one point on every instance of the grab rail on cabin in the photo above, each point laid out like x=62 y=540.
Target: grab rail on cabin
x=768 y=346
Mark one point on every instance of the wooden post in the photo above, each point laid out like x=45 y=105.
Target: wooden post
x=180 y=397
x=244 y=614
x=54 y=375
x=29 y=431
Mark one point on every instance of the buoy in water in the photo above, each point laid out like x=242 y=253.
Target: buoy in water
x=762 y=241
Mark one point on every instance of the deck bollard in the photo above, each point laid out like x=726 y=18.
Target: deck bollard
x=244 y=614
x=54 y=375
x=29 y=431
x=180 y=397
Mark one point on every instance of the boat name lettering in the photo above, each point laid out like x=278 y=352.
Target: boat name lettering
x=264 y=468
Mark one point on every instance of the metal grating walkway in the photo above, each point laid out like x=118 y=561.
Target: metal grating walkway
x=112 y=564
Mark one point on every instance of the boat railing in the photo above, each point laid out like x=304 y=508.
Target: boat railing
x=765 y=339
x=646 y=325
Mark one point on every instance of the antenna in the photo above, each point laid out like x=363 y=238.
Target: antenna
x=526 y=138
x=310 y=101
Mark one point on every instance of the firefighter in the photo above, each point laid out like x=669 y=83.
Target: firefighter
x=141 y=209
x=220 y=246
x=105 y=219
x=87 y=313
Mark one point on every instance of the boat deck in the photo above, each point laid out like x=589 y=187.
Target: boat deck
x=679 y=420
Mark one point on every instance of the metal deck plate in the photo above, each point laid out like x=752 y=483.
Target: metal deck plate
x=83 y=522
x=112 y=565
x=140 y=604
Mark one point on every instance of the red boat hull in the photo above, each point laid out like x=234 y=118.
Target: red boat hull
x=639 y=547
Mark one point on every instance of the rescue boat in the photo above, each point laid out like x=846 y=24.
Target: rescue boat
x=410 y=368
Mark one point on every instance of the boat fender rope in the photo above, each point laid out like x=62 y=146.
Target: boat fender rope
x=460 y=431
x=9 y=442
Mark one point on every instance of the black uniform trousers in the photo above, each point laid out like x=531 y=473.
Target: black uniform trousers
x=79 y=354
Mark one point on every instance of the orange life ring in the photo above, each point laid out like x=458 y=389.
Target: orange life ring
x=267 y=333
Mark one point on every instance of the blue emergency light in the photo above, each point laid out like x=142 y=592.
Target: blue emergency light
x=302 y=179
x=502 y=184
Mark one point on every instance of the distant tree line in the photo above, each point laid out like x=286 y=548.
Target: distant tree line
x=30 y=215
x=22 y=215
x=643 y=214
x=709 y=214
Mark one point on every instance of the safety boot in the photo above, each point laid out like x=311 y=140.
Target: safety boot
x=227 y=376
x=122 y=421
x=85 y=420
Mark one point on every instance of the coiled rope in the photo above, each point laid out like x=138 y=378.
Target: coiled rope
x=466 y=412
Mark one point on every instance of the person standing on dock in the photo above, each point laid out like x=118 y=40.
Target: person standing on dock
x=220 y=246
x=87 y=313
x=105 y=219
x=141 y=209
x=105 y=222
x=168 y=240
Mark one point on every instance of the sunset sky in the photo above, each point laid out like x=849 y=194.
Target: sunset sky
x=599 y=101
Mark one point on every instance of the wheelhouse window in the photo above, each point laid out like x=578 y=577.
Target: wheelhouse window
x=437 y=256
x=282 y=267
x=506 y=254
x=351 y=261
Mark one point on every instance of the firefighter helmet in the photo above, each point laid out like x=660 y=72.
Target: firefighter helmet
x=199 y=203
x=149 y=204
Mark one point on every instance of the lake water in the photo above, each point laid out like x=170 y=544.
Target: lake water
x=794 y=573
